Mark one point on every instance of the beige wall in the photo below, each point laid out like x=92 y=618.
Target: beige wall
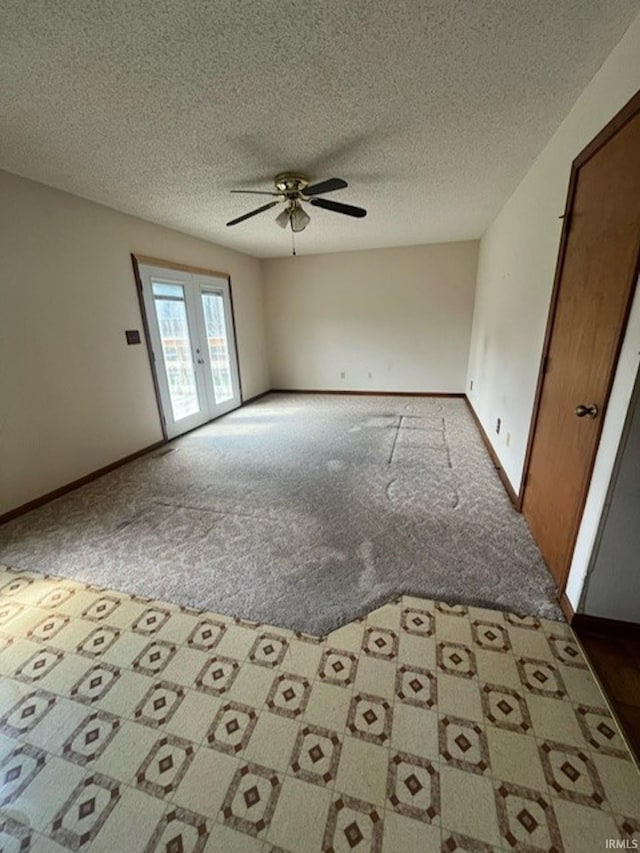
x=73 y=396
x=515 y=277
x=389 y=319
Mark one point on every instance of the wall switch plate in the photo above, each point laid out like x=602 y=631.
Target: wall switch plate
x=133 y=336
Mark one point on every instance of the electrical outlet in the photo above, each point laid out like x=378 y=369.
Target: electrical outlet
x=471 y=385
x=370 y=375
x=342 y=374
x=498 y=425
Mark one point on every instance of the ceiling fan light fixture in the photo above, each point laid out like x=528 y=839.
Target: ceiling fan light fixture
x=299 y=218
x=283 y=218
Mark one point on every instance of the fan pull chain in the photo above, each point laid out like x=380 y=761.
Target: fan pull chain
x=293 y=242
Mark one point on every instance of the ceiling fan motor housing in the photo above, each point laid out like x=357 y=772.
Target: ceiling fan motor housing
x=291 y=184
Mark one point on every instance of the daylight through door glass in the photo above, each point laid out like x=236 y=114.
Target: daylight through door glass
x=219 y=359
x=171 y=312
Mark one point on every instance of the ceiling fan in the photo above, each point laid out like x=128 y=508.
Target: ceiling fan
x=293 y=188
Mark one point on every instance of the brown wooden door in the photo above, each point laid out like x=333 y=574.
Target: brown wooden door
x=596 y=282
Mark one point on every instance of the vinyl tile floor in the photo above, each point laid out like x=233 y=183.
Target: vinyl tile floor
x=135 y=725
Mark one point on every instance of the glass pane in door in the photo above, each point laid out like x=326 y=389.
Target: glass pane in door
x=171 y=312
x=219 y=358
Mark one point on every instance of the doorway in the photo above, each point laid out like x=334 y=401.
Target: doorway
x=190 y=329
x=595 y=281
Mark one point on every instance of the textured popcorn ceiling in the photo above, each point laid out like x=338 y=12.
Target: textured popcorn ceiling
x=432 y=110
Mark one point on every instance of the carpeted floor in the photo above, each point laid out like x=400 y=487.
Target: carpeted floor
x=302 y=511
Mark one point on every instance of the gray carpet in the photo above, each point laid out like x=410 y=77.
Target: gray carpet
x=303 y=511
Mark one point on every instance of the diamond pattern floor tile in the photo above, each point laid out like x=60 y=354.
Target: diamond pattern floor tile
x=133 y=724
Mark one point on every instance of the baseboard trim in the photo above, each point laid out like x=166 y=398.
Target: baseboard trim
x=93 y=475
x=76 y=484
x=88 y=478
x=256 y=397
x=513 y=497
x=606 y=627
x=368 y=393
x=567 y=608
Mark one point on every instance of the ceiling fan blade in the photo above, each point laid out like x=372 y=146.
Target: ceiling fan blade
x=337 y=207
x=254 y=192
x=253 y=213
x=325 y=186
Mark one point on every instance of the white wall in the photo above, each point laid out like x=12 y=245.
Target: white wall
x=389 y=319
x=515 y=278
x=73 y=396
x=517 y=262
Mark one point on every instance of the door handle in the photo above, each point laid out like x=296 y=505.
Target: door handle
x=583 y=411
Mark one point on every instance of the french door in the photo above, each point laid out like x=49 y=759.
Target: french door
x=192 y=340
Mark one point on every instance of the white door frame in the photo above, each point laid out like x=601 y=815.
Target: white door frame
x=194 y=282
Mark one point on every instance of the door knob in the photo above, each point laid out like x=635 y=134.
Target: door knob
x=583 y=411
